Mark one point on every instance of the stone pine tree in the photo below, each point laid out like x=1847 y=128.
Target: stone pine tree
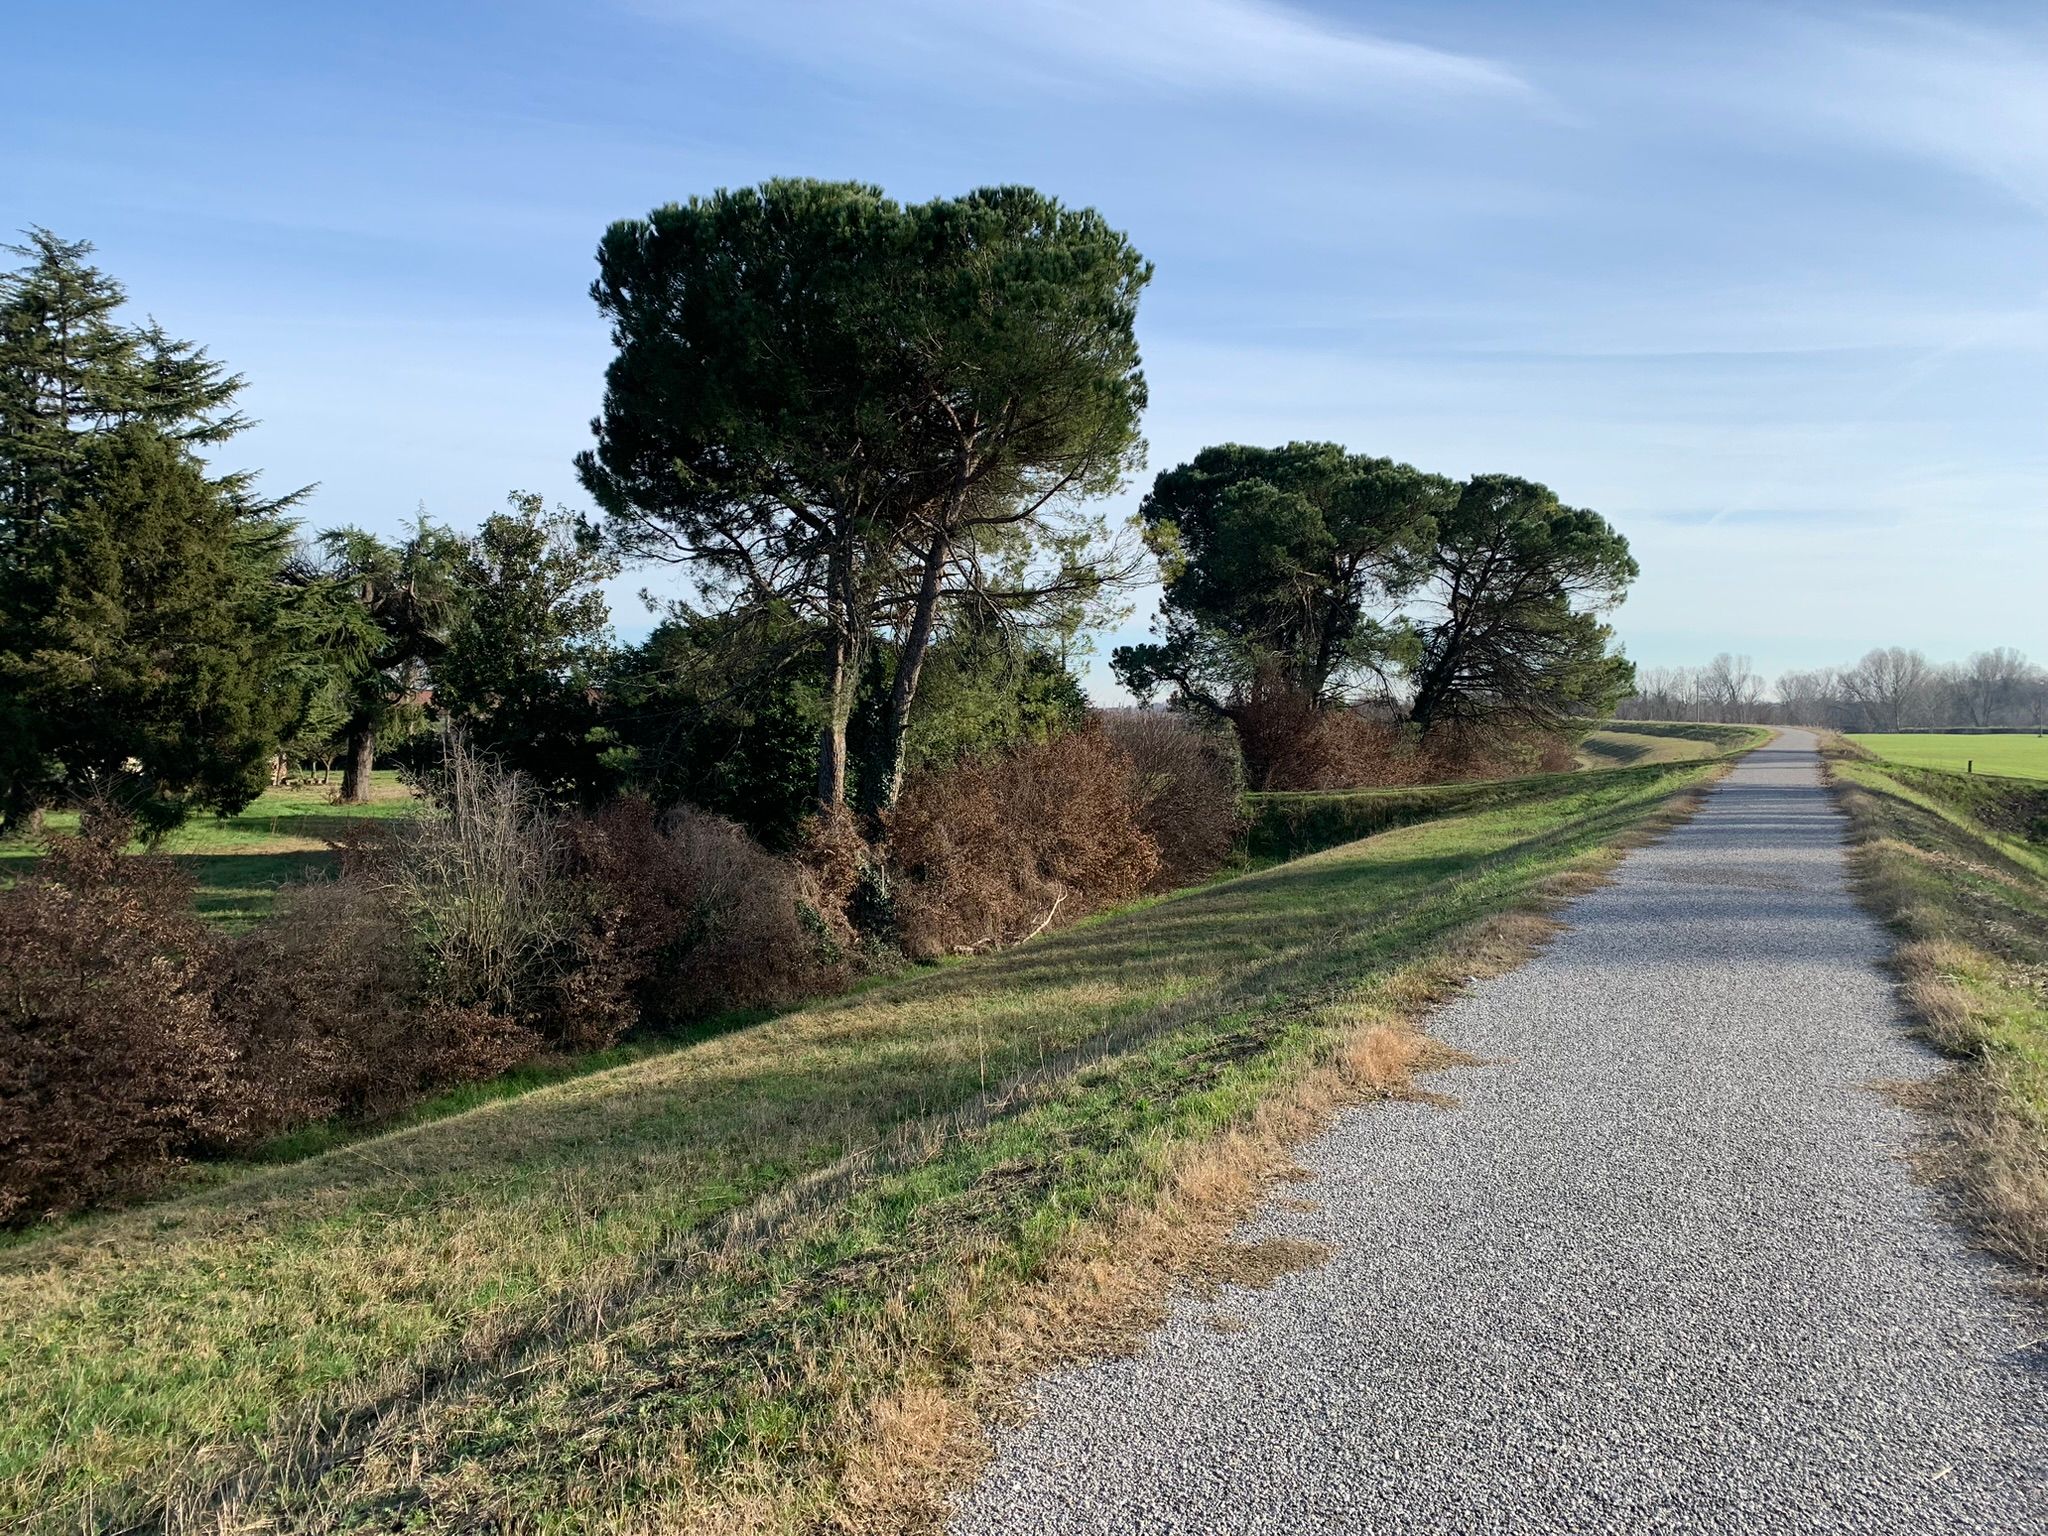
x=1510 y=626
x=863 y=416
x=1022 y=396
x=747 y=427
x=142 y=664
x=1284 y=567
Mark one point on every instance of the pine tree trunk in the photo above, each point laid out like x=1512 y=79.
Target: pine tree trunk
x=355 y=770
x=842 y=678
x=884 y=780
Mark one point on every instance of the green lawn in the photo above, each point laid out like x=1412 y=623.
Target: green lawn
x=684 y=1285
x=239 y=861
x=2011 y=756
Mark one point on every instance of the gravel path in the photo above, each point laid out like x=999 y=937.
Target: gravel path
x=1662 y=1269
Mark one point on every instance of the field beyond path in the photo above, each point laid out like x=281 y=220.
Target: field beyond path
x=2010 y=754
x=1663 y=1265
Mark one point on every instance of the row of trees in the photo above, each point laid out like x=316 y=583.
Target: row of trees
x=1892 y=688
x=1344 y=582
x=870 y=429
x=874 y=433
x=165 y=632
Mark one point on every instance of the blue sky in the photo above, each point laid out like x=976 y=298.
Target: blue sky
x=1767 y=286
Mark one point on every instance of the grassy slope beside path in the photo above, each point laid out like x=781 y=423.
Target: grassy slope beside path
x=1286 y=823
x=619 y=1296
x=1959 y=866
x=1621 y=743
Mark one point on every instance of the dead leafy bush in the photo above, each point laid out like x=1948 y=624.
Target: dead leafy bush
x=1459 y=753
x=327 y=1002
x=1293 y=743
x=697 y=916
x=112 y=1065
x=990 y=851
x=1190 y=782
x=841 y=872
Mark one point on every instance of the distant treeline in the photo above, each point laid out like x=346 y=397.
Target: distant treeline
x=1893 y=688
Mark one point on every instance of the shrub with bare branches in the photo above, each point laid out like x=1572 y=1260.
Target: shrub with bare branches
x=478 y=882
x=991 y=850
x=112 y=1065
x=1189 y=782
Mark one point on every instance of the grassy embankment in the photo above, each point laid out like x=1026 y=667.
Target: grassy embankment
x=1959 y=867
x=239 y=861
x=2003 y=755
x=770 y=1273
x=1620 y=743
x=1285 y=824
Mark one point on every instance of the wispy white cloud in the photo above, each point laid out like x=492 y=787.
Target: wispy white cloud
x=1965 y=97
x=1197 y=47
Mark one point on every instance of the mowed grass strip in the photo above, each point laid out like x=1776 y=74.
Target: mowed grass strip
x=2005 y=754
x=1960 y=869
x=617 y=1299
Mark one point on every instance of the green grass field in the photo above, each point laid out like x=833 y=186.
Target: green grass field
x=238 y=861
x=2009 y=756
x=685 y=1285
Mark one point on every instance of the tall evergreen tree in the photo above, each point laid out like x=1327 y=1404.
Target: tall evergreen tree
x=147 y=665
x=70 y=370
x=524 y=656
x=141 y=654
x=401 y=600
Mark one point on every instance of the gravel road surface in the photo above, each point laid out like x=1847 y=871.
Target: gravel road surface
x=1662 y=1269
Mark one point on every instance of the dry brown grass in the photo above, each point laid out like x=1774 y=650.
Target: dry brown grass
x=1108 y=1289
x=1972 y=962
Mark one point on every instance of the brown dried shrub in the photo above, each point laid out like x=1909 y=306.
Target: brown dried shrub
x=1293 y=743
x=698 y=917
x=328 y=1002
x=112 y=1065
x=1462 y=752
x=1190 y=783
x=839 y=866
x=989 y=851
